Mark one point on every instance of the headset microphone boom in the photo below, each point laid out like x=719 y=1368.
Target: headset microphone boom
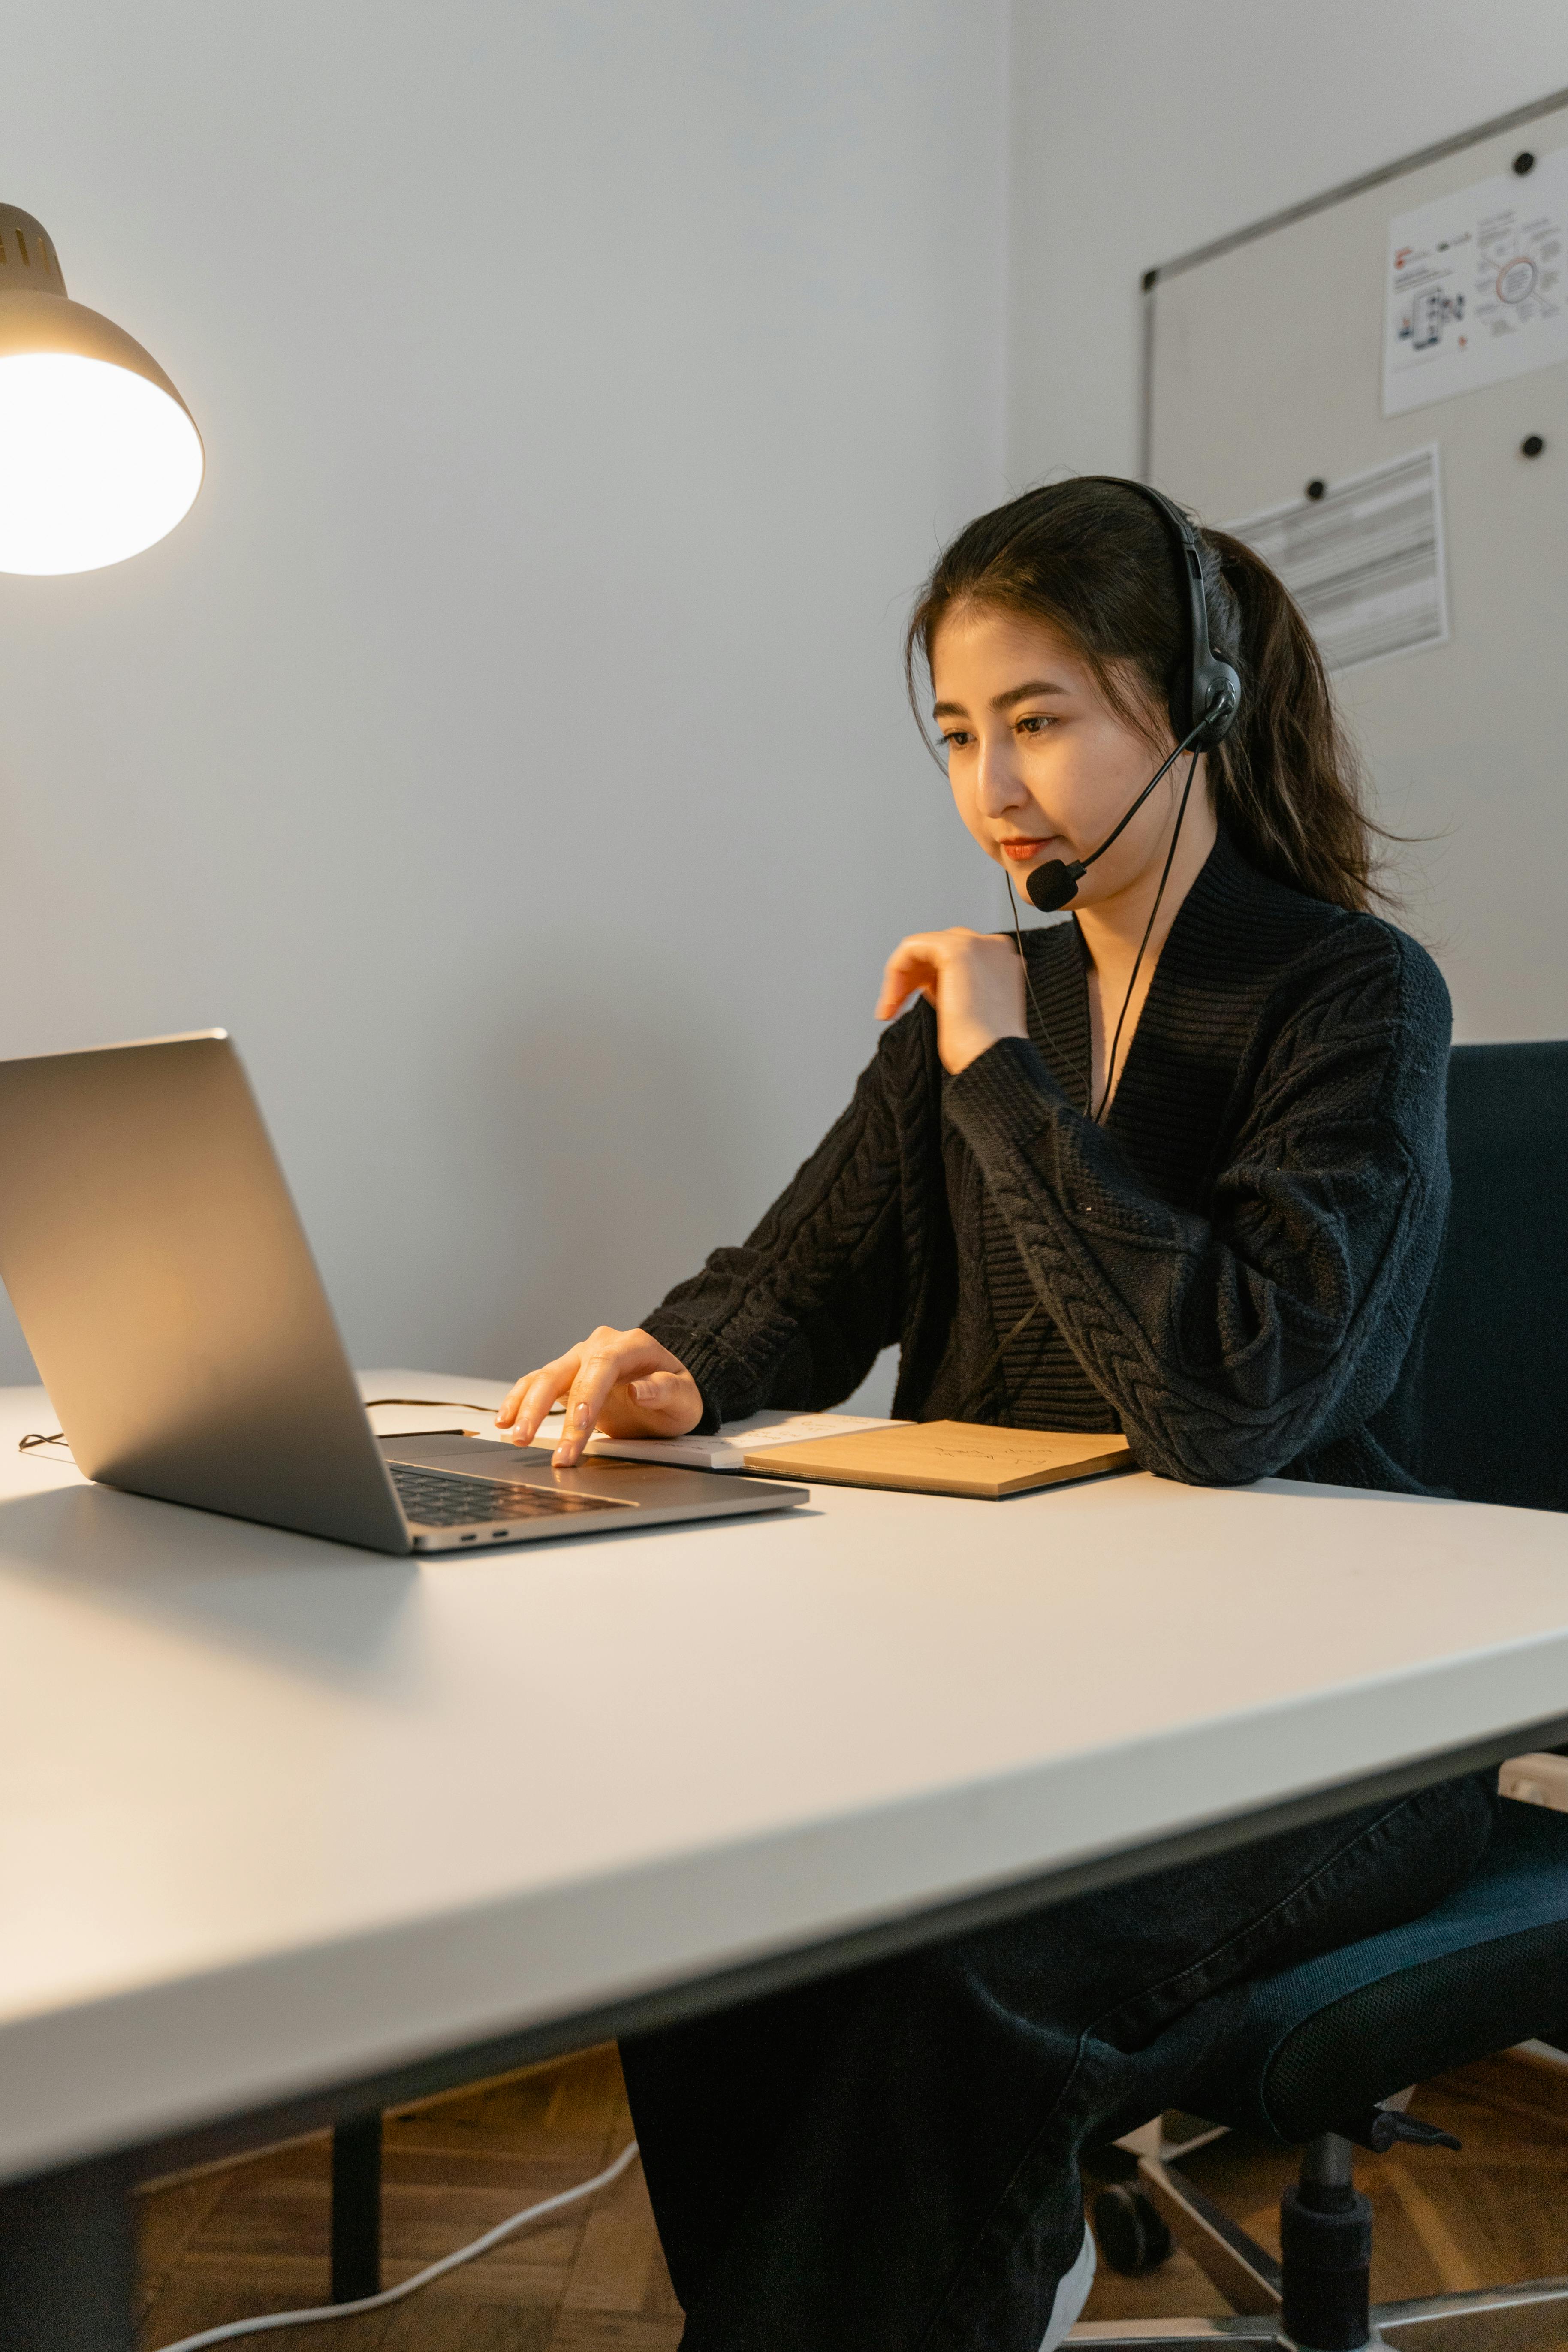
x=1202 y=717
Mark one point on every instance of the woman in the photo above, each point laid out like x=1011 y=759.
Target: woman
x=1176 y=1168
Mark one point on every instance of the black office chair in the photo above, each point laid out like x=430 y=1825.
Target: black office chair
x=1494 y=1397
x=1320 y=2048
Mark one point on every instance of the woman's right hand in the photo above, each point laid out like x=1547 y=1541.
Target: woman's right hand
x=623 y=1382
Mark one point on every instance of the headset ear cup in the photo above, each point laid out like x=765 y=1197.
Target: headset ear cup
x=1218 y=698
x=1204 y=689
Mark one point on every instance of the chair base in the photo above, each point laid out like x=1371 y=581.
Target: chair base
x=1528 y=2316
x=1245 y=2272
x=1531 y=2318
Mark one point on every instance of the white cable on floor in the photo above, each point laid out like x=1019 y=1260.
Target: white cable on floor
x=421 y=2278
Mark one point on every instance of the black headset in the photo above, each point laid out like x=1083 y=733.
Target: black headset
x=1203 y=704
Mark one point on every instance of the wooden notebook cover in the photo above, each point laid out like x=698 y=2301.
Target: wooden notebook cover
x=946 y=1457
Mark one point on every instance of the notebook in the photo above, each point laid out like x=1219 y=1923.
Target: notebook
x=946 y=1457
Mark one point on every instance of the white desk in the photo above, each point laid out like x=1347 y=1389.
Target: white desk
x=278 y=1818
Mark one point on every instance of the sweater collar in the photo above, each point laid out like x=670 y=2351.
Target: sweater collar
x=1234 y=933
x=1231 y=917
x=1234 y=927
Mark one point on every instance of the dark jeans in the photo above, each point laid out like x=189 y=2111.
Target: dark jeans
x=886 y=2161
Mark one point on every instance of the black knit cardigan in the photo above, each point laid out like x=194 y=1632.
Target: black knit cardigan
x=1240 y=1258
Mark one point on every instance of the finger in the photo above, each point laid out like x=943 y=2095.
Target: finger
x=540 y=1399
x=660 y=1404
x=912 y=964
x=655 y=1396
x=506 y=1412
x=516 y=1396
x=598 y=1374
x=540 y=1392
x=897 y=989
x=925 y=962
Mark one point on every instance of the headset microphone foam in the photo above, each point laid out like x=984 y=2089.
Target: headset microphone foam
x=1201 y=715
x=1051 y=887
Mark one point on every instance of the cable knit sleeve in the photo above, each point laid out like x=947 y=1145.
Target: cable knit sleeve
x=799 y=1313
x=1233 y=1342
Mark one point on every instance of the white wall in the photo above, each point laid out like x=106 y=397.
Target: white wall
x=1143 y=127
x=510 y=746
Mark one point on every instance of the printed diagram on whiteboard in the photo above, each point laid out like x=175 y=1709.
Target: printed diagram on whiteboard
x=1364 y=562
x=1476 y=288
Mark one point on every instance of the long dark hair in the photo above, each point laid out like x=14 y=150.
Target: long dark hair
x=1096 y=563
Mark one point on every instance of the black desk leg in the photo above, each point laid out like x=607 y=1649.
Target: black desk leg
x=67 y=2262
x=356 y=2210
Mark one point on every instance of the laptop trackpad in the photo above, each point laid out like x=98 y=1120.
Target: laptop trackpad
x=529 y=1465
x=478 y=1457
x=648 y=1482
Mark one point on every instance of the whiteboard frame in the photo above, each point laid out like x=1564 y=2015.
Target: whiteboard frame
x=1154 y=279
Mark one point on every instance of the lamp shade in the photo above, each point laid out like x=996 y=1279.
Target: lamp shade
x=99 y=455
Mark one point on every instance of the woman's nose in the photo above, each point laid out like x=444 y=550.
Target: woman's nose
x=997 y=785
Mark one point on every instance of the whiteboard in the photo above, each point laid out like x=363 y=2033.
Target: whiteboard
x=1263 y=370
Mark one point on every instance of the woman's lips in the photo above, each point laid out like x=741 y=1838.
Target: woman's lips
x=1020 y=852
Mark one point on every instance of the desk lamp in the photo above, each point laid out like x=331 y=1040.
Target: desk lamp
x=99 y=455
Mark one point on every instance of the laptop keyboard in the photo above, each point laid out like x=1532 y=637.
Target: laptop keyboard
x=434 y=1498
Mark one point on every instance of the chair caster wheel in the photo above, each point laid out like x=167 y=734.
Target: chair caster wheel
x=1132 y=2237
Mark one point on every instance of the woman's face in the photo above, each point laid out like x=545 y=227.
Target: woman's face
x=1040 y=765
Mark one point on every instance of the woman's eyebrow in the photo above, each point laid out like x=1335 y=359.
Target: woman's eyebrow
x=1001 y=701
x=1026 y=693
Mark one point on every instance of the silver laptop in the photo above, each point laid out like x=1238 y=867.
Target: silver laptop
x=169 y=1296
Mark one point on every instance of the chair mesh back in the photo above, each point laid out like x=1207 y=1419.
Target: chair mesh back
x=1494 y=1385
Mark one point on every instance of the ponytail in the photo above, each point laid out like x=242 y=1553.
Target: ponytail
x=1096 y=565
x=1288 y=780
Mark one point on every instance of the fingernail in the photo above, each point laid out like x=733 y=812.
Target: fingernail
x=641 y=1391
x=580 y=1413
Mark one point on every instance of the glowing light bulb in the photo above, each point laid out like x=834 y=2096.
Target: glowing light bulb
x=99 y=455
x=98 y=463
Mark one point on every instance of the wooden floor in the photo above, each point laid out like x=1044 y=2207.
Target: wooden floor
x=253 y=2237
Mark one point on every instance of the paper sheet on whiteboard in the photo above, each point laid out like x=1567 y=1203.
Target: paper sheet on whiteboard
x=1364 y=562
x=1475 y=289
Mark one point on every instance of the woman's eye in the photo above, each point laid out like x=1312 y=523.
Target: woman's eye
x=1037 y=722
x=957 y=737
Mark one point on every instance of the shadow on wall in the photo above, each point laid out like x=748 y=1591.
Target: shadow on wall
x=613 y=1153
x=634 y=1152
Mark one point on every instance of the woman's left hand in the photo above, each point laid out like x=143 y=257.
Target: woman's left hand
x=974 y=978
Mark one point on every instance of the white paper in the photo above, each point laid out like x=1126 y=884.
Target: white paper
x=1475 y=289
x=727 y=1449
x=1364 y=562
